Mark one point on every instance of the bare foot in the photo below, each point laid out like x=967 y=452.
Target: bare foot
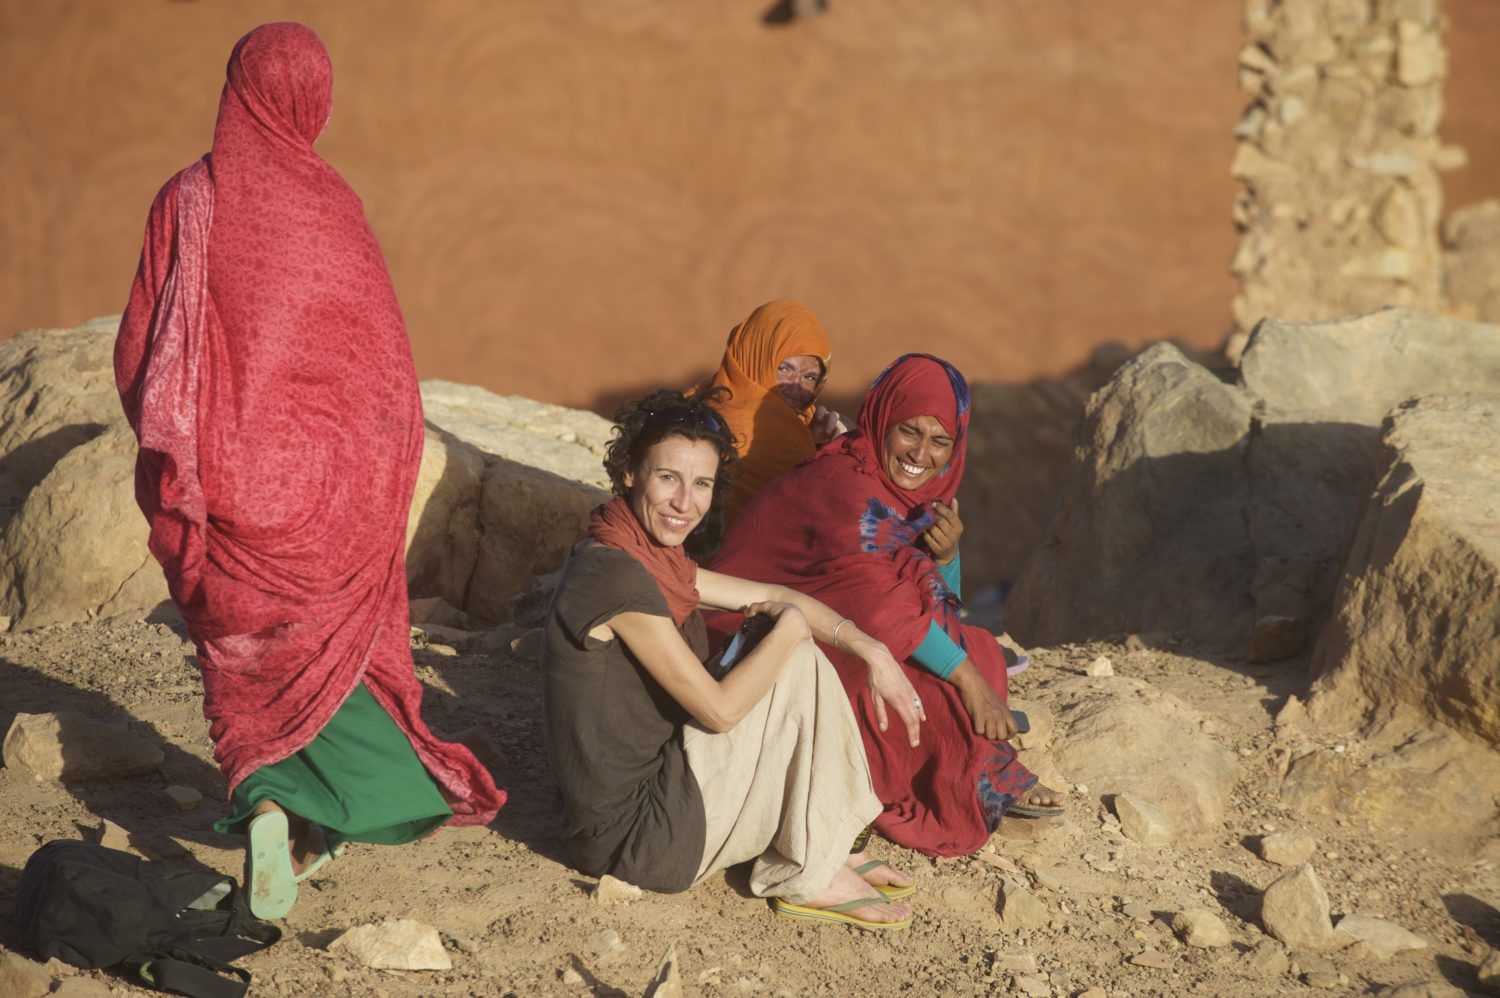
x=1042 y=795
x=846 y=886
x=304 y=843
x=884 y=875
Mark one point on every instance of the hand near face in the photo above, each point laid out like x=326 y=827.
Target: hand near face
x=943 y=536
x=826 y=424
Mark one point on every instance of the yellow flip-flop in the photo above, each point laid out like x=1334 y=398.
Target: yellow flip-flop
x=837 y=913
x=891 y=891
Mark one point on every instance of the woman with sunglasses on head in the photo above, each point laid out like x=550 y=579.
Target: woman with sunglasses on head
x=669 y=774
x=774 y=367
x=870 y=526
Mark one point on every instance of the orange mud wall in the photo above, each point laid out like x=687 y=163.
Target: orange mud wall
x=578 y=198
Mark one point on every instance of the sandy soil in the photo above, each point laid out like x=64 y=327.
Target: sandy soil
x=516 y=919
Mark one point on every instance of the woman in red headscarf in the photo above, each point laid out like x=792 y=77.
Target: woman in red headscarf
x=870 y=527
x=775 y=365
x=264 y=365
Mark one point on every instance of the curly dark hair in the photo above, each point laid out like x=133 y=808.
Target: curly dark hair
x=645 y=422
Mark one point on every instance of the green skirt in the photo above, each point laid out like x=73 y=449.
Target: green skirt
x=359 y=778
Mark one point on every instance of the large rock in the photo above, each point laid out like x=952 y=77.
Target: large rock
x=442 y=532
x=503 y=492
x=1381 y=938
x=1294 y=909
x=1020 y=447
x=1223 y=512
x=543 y=474
x=57 y=390
x=1149 y=527
x=394 y=944
x=1417 y=620
x=66 y=745
x=1409 y=766
x=1122 y=736
x=76 y=547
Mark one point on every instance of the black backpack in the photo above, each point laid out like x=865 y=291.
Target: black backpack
x=174 y=929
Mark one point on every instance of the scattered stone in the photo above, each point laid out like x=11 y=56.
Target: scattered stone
x=667 y=983
x=1384 y=939
x=1026 y=984
x=186 y=798
x=1015 y=962
x=1142 y=821
x=571 y=976
x=1033 y=829
x=1203 y=929
x=1323 y=979
x=394 y=944
x=1135 y=643
x=1153 y=959
x=1101 y=666
x=1294 y=909
x=81 y=987
x=1019 y=908
x=604 y=942
x=1269 y=958
x=440 y=649
x=1489 y=974
x=1287 y=848
x=1136 y=910
x=1093 y=993
x=611 y=890
x=66 y=745
x=1001 y=863
x=21 y=977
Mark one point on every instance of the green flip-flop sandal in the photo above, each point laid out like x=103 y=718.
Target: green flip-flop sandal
x=891 y=891
x=328 y=855
x=268 y=867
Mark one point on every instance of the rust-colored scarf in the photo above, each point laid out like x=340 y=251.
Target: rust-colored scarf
x=770 y=436
x=615 y=524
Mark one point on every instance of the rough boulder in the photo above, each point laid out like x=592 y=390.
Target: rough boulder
x=504 y=489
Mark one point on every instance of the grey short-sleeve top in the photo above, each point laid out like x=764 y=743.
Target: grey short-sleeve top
x=631 y=807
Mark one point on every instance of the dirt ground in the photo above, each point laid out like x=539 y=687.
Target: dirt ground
x=516 y=919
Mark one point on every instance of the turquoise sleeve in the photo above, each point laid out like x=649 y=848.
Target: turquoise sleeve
x=938 y=653
x=952 y=577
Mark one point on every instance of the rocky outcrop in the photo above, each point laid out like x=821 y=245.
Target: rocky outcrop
x=1127 y=740
x=1149 y=525
x=542 y=474
x=1020 y=446
x=1417 y=618
x=1472 y=237
x=503 y=492
x=1339 y=155
x=1223 y=511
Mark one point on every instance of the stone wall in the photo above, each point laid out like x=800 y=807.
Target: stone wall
x=1339 y=155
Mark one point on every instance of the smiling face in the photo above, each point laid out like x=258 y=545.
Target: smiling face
x=915 y=451
x=671 y=490
x=798 y=380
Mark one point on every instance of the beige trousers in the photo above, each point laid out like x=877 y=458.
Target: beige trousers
x=788 y=786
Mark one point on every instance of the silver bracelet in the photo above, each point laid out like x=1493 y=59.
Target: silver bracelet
x=836 y=627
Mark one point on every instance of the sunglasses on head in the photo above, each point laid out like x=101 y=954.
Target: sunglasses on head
x=705 y=418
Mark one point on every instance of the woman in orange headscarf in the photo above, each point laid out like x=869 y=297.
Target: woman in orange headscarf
x=775 y=364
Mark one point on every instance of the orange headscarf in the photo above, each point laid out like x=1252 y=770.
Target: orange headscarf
x=770 y=435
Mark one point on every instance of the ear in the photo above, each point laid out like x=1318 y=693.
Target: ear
x=629 y=480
